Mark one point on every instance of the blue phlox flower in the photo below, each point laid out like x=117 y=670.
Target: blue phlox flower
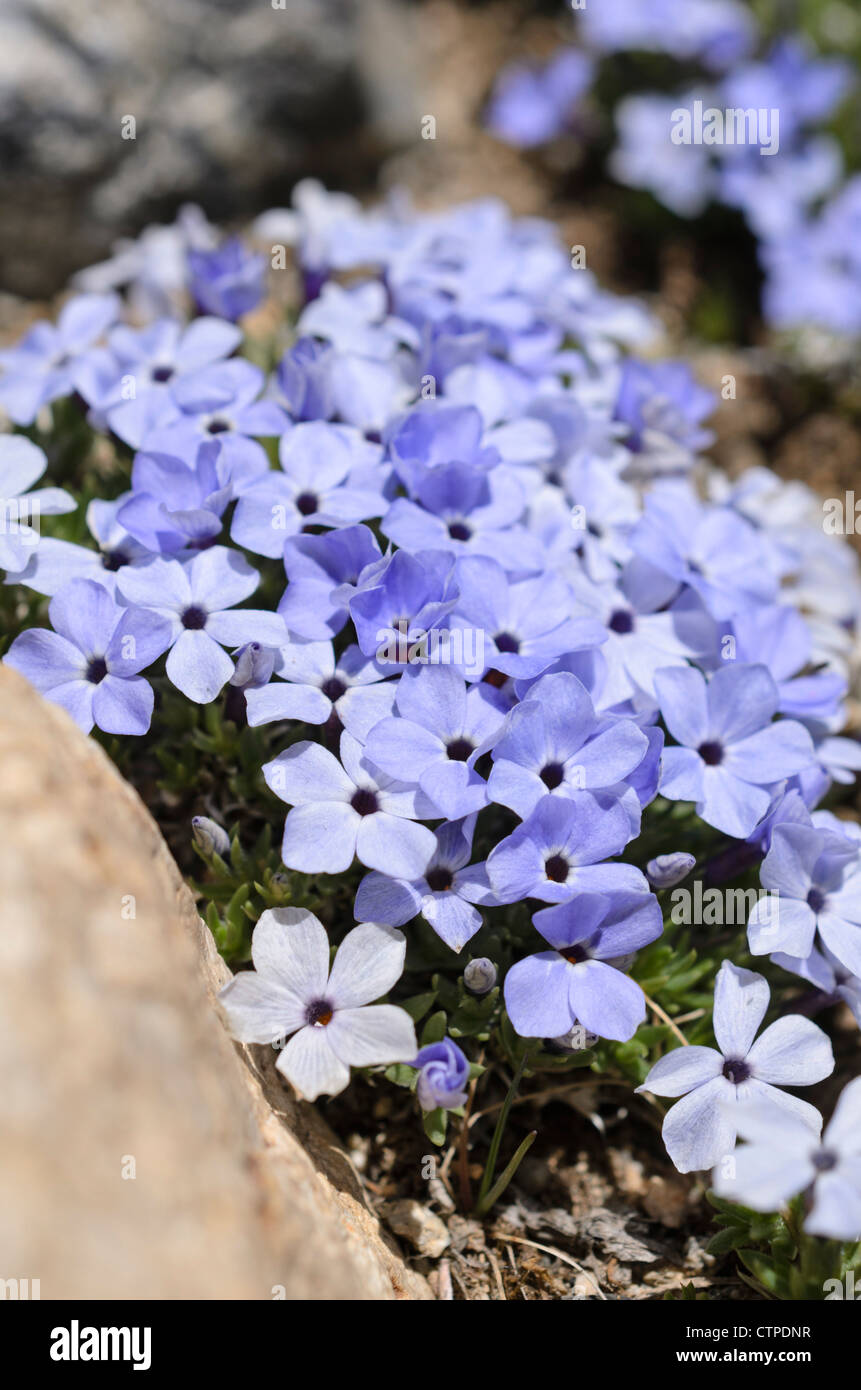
x=349 y=809
x=198 y=600
x=328 y=1015
x=91 y=662
x=346 y=692
x=578 y=982
x=441 y=729
x=730 y=753
x=448 y=894
x=744 y=1076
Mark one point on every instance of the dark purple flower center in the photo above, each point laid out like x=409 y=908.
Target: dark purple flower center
x=711 y=752
x=219 y=426
x=621 y=621
x=114 y=560
x=823 y=1161
x=574 y=954
x=736 y=1070
x=459 y=531
x=816 y=900
x=162 y=373
x=439 y=879
x=97 y=670
x=306 y=503
x=365 y=802
x=333 y=688
x=194 y=618
x=319 y=1012
x=557 y=868
x=459 y=750
x=553 y=775
x=495 y=678
x=506 y=642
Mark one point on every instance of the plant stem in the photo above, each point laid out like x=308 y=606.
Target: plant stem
x=490 y=1166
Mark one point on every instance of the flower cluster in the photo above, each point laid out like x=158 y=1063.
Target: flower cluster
x=704 y=144
x=510 y=615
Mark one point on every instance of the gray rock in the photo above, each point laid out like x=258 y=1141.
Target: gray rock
x=232 y=100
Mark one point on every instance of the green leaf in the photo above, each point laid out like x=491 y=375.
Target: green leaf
x=496 y=1191
x=401 y=1075
x=418 y=1005
x=435 y=1125
x=435 y=1028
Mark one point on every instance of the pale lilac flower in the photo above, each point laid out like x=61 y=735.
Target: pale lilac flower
x=783 y=1158
x=316 y=687
x=441 y=729
x=199 y=599
x=329 y=476
x=343 y=811
x=557 y=851
x=21 y=465
x=715 y=1086
x=578 y=981
x=731 y=754
x=152 y=359
x=554 y=742
x=814 y=873
x=42 y=367
x=445 y=894
x=54 y=562
x=330 y=1014
x=91 y=663
x=229 y=280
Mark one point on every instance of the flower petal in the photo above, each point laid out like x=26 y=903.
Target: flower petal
x=699 y=1130
x=290 y=946
x=537 y=996
x=320 y=837
x=683 y=1069
x=741 y=999
x=311 y=1066
x=198 y=666
x=370 y=960
x=307 y=772
x=373 y=1035
x=395 y=846
x=258 y=1010
x=793 y=1051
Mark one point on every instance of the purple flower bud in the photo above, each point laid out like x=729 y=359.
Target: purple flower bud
x=254 y=666
x=229 y=281
x=479 y=975
x=443 y=1075
x=669 y=869
x=209 y=837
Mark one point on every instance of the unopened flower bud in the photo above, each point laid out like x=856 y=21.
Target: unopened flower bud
x=210 y=837
x=480 y=975
x=254 y=666
x=443 y=1076
x=669 y=869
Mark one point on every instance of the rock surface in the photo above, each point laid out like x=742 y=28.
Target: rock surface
x=148 y=1157
x=232 y=100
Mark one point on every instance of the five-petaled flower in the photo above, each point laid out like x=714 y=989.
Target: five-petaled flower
x=328 y=1015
